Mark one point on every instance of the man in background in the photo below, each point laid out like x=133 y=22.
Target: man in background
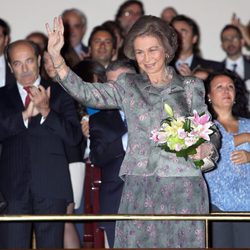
x=6 y=77
x=232 y=43
x=75 y=23
x=188 y=57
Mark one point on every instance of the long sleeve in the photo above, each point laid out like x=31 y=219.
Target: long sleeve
x=97 y=95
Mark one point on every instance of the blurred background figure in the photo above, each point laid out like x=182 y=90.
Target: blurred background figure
x=168 y=14
x=6 y=77
x=188 y=56
x=229 y=182
x=75 y=23
x=128 y=13
x=232 y=42
x=40 y=39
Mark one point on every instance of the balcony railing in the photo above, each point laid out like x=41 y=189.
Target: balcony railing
x=90 y=217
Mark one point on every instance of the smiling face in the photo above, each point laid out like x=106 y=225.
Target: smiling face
x=101 y=47
x=222 y=93
x=150 y=55
x=24 y=63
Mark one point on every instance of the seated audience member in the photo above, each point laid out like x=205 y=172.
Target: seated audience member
x=77 y=171
x=35 y=124
x=232 y=43
x=108 y=143
x=188 y=56
x=128 y=13
x=6 y=76
x=168 y=14
x=229 y=183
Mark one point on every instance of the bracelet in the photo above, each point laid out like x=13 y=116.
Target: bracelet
x=60 y=64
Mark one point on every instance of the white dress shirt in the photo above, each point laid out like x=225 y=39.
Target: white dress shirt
x=239 y=68
x=125 y=136
x=188 y=61
x=2 y=71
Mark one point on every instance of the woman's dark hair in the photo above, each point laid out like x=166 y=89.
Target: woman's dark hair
x=156 y=27
x=240 y=107
x=87 y=69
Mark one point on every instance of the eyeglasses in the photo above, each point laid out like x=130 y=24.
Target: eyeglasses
x=230 y=39
x=131 y=13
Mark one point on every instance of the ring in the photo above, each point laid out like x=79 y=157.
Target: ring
x=54 y=30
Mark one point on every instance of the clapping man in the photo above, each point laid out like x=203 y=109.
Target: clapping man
x=35 y=123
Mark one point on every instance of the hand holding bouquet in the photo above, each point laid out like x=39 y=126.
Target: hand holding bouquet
x=183 y=135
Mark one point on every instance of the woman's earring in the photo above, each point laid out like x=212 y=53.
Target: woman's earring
x=209 y=100
x=167 y=56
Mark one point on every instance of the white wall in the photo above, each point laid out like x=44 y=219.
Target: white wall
x=25 y=16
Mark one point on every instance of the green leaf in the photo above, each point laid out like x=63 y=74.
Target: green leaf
x=198 y=163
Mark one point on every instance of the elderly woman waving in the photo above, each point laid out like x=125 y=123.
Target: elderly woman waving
x=156 y=181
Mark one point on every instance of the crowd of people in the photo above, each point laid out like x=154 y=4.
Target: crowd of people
x=64 y=103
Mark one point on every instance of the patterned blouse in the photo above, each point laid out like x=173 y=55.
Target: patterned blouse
x=229 y=184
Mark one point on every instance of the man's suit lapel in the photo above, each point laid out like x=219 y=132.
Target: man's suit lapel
x=246 y=68
x=15 y=98
x=9 y=76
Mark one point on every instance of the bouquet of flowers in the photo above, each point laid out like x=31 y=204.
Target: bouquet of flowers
x=183 y=135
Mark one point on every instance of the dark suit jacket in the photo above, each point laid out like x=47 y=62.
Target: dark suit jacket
x=199 y=62
x=33 y=159
x=246 y=60
x=9 y=76
x=106 y=151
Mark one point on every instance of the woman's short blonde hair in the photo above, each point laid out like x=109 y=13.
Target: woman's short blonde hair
x=156 y=27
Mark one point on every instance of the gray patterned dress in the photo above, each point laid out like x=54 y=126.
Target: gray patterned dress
x=156 y=182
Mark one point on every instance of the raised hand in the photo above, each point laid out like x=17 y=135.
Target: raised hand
x=55 y=38
x=235 y=20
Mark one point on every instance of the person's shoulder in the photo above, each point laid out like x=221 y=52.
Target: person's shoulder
x=247 y=58
x=129 y=78
x=205 y=63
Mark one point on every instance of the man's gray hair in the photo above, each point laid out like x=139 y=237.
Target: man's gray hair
x=78 y=12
